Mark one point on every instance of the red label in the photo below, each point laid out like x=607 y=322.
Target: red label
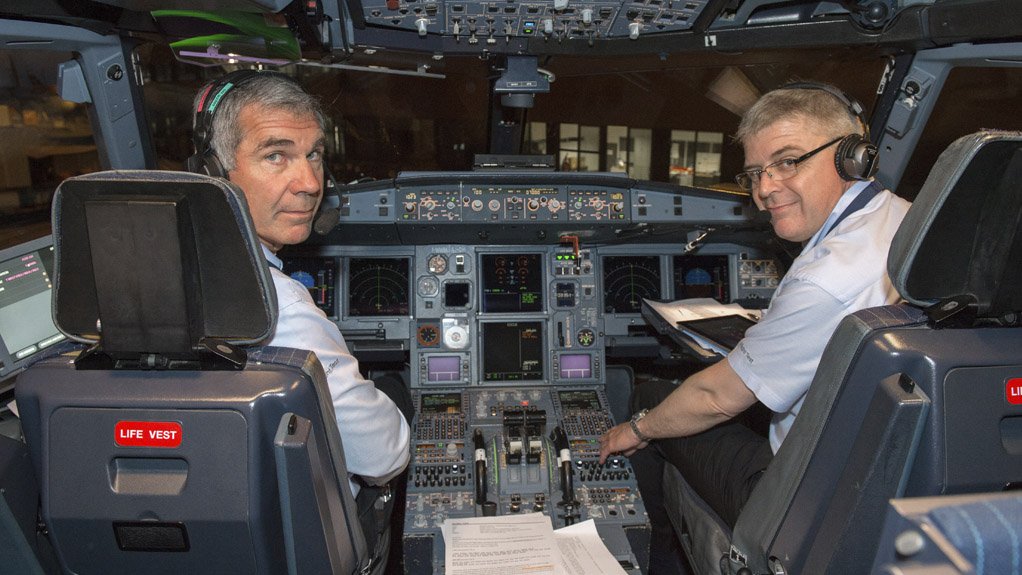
x=147 y=434
x=1013 y=391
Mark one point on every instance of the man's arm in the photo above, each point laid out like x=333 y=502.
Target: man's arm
x=374 y=433
x=708 y=397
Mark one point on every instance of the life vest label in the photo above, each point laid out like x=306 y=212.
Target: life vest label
x=1013 y=391
x=165 y=434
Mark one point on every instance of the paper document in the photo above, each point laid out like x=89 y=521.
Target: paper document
x=524 y=544
x=509 y=544
x=583 y=552
x=676 y=313
x=698 y=308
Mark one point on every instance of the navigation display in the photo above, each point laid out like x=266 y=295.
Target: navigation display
x=512 y=283
x=378 y=287
x=627 y=280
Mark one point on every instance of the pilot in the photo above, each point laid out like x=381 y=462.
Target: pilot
x=262 y=131
x=809 y=164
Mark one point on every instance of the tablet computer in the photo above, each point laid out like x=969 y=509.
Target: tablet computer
x=725 y=331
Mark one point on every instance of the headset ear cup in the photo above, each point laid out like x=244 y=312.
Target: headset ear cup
x=855 y=158
x=213 y=166
x=194 y=164
x=207 y=164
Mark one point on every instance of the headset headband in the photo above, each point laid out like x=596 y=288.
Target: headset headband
x=210 y=100
x=851 y=104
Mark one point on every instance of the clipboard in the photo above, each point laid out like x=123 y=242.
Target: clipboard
x=724 y=331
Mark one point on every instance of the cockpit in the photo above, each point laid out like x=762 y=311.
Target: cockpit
x=516 y=191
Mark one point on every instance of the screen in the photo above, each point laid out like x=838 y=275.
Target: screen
x=578 y=399
x=512 y=351
x=441 y=403
x=726 y=330
x=456 y=294
x=443 y=368
x=576 y=366
x=627 y=280
x=26 y=323
x=378 y=287
x=512 y=282
x=702 y=276
x=319 y=276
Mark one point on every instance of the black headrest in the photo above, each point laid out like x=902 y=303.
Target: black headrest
x=159 y=260
x=961 y=236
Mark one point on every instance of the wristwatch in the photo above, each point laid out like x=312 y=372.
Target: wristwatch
x=634 y=423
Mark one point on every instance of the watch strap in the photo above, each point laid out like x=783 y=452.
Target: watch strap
x=634 y=424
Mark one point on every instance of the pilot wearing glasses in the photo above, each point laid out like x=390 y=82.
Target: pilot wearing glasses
x=809 y=164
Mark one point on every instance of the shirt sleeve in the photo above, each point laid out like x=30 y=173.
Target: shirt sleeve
x=374 y=433
x=778 y=357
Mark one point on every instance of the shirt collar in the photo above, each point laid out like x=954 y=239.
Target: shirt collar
x=271 y=257
x=843 y=202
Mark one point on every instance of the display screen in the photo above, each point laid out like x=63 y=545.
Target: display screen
x=512 y=351
x=441 y=403
x=378 y=287
x=319 y=276
x=456 y=294
x=725 y=331
x=443 y=368
x=627 y=280
x=702 y=276
x=578 y=399
x=576 y=366
x=512 y=283
x=26 y=324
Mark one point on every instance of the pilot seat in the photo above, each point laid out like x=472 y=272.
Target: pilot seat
x=168 y=444
x=918 y=399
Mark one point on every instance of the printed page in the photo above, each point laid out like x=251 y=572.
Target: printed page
x=505 y=545
x=583 y=552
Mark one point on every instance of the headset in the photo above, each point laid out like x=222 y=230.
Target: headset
x=205 y=160
x=856 y=158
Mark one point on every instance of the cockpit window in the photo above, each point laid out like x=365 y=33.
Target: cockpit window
x=971 y=99
x=652 y=118
x=43 y=140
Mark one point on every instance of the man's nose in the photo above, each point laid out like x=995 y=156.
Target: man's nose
x=308 y=177
x=766 y=186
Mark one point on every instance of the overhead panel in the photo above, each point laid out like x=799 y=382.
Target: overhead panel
x=492 y=22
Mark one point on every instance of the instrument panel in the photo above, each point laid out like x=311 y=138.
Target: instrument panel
x=449 y=267
x=506 y=295
x=496 y=315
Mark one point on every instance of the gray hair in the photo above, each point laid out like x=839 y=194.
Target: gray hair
x=273 y=91
x=820 y=109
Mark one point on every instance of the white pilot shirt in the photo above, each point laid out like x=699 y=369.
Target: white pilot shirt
x=833 y=276
x=374 y=433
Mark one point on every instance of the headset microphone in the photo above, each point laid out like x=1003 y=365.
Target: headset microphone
x=328 y=218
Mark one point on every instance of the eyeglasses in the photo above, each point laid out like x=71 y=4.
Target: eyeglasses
x=781 y=169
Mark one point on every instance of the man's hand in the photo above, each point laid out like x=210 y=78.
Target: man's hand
x=619 y=439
